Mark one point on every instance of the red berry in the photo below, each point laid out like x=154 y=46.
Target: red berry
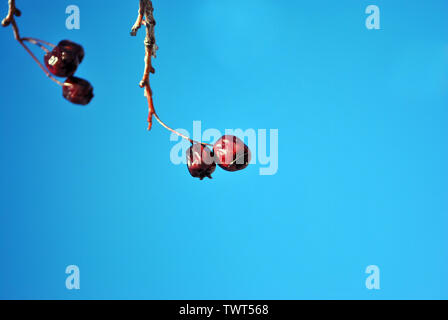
x=200 y=161
x=78 y=91
x=73 y=48
x=64 y=59
x=231 y=154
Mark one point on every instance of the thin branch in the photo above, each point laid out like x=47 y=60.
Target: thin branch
x=151 y=111
x=10 y=20
x=148 y=67
x=146 y=17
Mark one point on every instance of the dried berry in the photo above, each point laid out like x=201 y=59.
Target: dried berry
x=200 y=161
x=78 y=91
x=64 y=59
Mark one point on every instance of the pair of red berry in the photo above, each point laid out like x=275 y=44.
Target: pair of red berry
x=229 y=152
x=63 y=61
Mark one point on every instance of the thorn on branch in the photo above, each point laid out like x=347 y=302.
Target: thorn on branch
x=137 y=25
x=143 y=83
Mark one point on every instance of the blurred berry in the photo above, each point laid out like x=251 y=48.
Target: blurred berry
x=77 y=91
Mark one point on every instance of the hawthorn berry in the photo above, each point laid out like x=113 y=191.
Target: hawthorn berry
x=200 y=161
x=73 y=48
x=231 y=154
x=64 y=59
x=77 y=90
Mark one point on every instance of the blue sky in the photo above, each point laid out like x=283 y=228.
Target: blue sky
x=362 y=180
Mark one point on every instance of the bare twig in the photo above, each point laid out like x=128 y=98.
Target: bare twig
x=138 y=23
x=11 y=12
x=146 y=17
x=10 y=20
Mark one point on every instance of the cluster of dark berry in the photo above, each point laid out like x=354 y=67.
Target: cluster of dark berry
x=229 y=152
x=63 y=61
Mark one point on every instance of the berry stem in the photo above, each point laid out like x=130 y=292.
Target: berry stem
x=152 y=112
x=10 y=20
x=40 y=43
x=47 y=73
